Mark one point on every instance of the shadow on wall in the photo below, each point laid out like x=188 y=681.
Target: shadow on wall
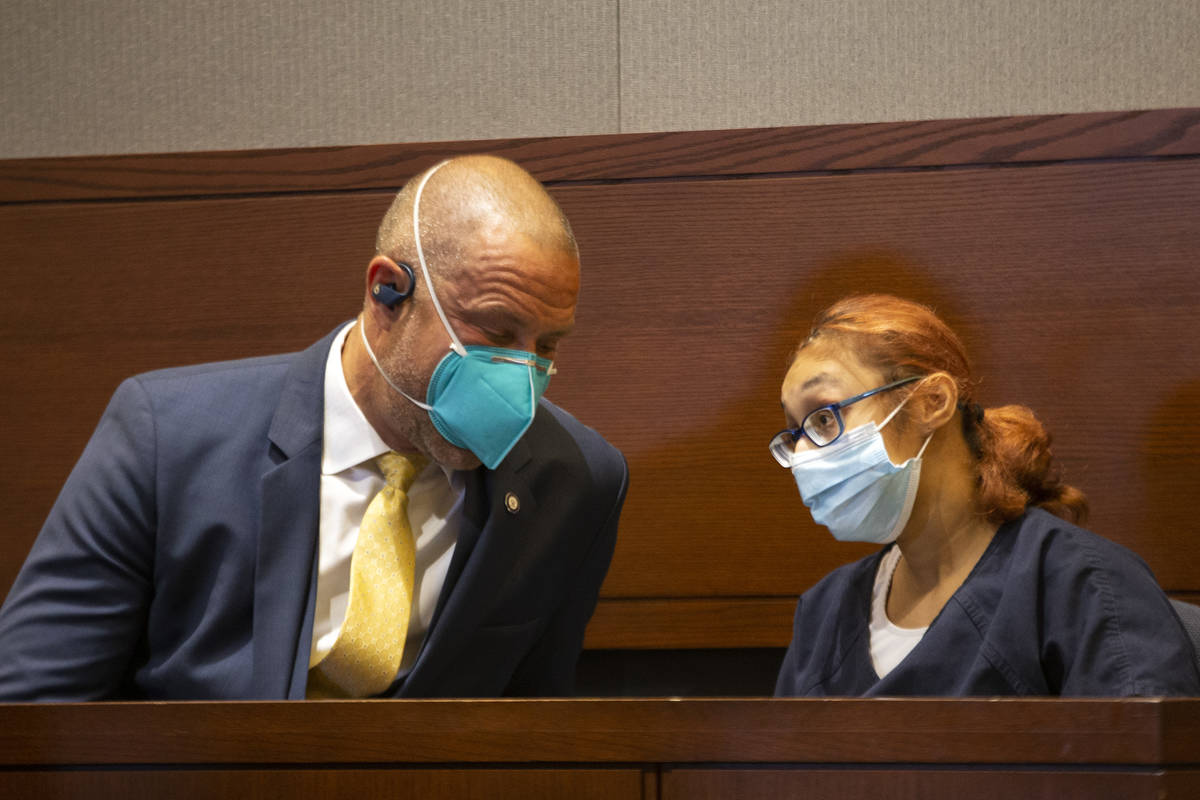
x=732 y=534
x=1170 y=469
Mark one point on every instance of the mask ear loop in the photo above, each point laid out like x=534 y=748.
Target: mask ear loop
x=896 y=411
x=455 y=344
x=533 y=398
x=921 y=452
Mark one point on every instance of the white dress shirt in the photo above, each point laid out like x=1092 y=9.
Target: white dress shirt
x=349 y=481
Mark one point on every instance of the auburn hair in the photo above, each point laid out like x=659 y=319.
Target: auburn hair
x=1015 y=468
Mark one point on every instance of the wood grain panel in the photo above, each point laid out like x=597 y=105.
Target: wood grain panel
x=915 y=784
x=889 y=145
x=1005 y=731
x=329 y=784
x=1181 y=783
x=1074 y=285
x=691 y=622
x=106 y=291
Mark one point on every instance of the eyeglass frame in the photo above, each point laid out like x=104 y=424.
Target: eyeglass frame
x=798 y=432
x=526 y=362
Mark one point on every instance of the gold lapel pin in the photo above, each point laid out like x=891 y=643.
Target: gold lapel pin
x=511 y=503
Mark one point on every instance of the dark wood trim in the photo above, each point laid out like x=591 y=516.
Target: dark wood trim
x=654 y=623
x=927 y=731
x=611 y=157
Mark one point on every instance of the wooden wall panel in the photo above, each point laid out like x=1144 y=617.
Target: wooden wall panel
x=610 y=157
x=1074 y=282
x=96 y=292
x=1075 y=287
x=844 y=784
x=329 y=784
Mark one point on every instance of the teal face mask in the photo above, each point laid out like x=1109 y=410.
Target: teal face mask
x=480 y=398
x=485 y=401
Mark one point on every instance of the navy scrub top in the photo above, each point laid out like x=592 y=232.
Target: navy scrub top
x=1050 y=609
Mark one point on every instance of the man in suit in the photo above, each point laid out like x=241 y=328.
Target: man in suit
x=204 y=547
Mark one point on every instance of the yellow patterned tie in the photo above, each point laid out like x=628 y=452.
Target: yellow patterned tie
x=366 y=656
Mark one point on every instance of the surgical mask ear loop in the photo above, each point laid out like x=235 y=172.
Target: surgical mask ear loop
x=455 y=344
x=896 y=411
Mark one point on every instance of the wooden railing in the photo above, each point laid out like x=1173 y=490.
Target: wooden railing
x=660 y=748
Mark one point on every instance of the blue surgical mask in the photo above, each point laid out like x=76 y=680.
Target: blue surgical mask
x=853 y=488
x=480 y=398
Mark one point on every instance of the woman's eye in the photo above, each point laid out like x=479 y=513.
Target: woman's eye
x=823 y=420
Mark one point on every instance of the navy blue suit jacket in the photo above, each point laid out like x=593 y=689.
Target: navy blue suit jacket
x=179 y=561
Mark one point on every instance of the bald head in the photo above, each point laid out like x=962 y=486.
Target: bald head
x=504 y=273
x=469 y=195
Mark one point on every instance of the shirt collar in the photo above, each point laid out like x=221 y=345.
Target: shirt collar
x=349 y=439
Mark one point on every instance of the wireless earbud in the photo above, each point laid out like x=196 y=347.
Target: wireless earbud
x=389 y=295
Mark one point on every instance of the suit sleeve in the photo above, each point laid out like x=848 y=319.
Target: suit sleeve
x=75 y=614
x=549 y=668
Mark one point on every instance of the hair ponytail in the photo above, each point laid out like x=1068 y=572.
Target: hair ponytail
x=1011 y=448
x=1016 y=466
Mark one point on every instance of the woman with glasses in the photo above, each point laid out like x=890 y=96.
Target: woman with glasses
x=984 y=586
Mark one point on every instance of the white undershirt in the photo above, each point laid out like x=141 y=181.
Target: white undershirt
x=889 y=642
x=349 y=480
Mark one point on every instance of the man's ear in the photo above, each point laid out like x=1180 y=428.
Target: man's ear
x=389 y=283
x=935 y=401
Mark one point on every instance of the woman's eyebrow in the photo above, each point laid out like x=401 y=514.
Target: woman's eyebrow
x=819 y=378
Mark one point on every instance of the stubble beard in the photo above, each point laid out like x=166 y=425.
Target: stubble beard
x=411 y=422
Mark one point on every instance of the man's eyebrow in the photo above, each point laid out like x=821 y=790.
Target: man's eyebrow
x=499 y=315
x=562 y=332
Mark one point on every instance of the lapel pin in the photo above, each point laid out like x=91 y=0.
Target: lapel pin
x=511 y=503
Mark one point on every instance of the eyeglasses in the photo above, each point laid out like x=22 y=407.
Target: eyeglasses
x=527 y=362
x=822 y=426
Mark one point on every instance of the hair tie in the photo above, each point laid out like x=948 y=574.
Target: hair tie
x=972 y=423
x=972 y=414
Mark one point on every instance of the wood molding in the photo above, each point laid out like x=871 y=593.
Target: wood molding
x=867 y=731
x=611 y=157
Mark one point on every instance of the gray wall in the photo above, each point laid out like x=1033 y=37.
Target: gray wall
x=121 y=76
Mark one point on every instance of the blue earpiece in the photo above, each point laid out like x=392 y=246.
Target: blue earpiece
x=389 y=295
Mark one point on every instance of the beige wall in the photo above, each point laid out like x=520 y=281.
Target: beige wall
x=119 y=76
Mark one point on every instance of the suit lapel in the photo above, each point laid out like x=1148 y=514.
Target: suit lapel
x=498 y=508
x=285 y=571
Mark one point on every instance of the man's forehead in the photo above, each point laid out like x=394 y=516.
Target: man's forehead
x=505 y=315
